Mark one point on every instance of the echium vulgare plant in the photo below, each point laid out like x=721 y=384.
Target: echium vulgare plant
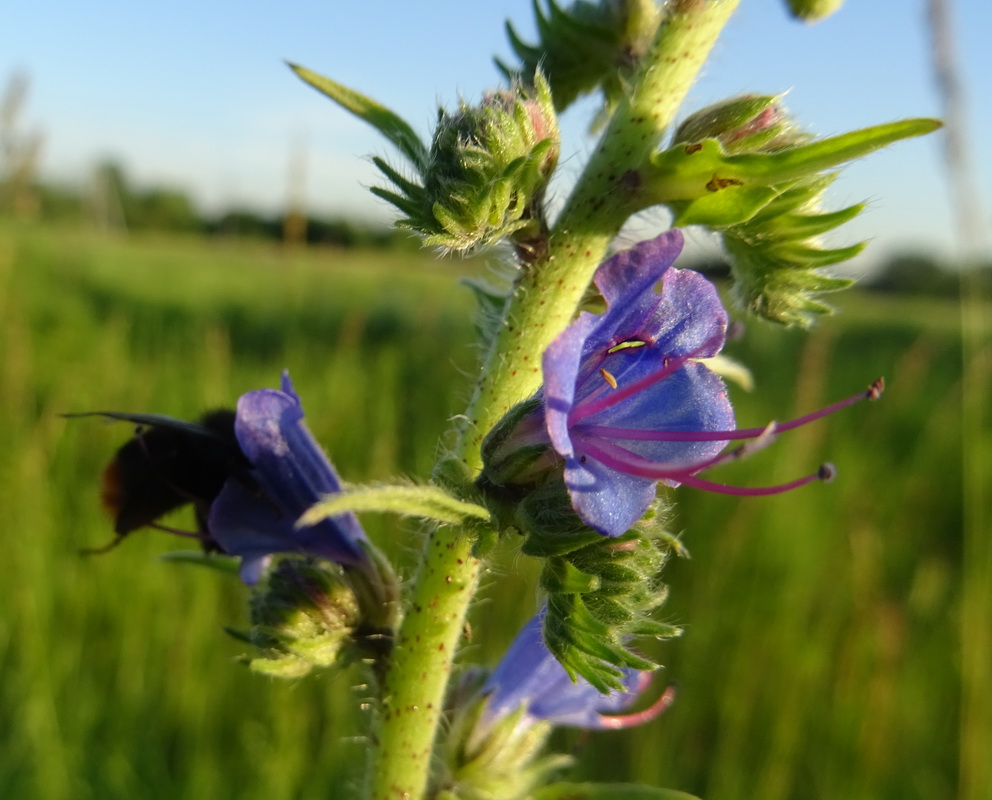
x=601 y=381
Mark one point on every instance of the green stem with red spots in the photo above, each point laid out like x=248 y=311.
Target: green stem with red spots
x=544 y=301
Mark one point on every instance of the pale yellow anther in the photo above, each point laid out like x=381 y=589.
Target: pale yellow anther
x=625 y=345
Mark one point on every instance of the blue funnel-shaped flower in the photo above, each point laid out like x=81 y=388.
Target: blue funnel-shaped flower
x=291 y=473
x=529 y=678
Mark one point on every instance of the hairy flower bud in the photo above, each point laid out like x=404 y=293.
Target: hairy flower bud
x=517 y=451
x=303 y=615
x=750 y=123
x=486 y=171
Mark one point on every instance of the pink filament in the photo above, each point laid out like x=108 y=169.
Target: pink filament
x=623 y=460
x=656 y=709
x=636 y=434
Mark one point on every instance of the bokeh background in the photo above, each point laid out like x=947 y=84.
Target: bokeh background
x=185 y=221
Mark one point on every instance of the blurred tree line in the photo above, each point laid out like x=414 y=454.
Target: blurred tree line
x=112 y=203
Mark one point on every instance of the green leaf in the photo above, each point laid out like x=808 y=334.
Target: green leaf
x=428 y=502
x=607 y=791
x=387 y=122
x=822 y=154
x=226 y=564
x=730 y=206
x=704 y=169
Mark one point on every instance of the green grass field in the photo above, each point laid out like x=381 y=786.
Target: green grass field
x=822 y=652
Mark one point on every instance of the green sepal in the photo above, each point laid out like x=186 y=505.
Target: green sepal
x=427 y=502
x=387 y=122
x=484 y=176
x=654 y=629
x=225 y=564
x=607 y=791
x=774 y=286
x=560 y=577
x=814 y=257
x=305 y=615
x=240 y=636
x=806 y=225
x=731 y=206
x=546 y=517
x=485 y=542
x=476 y=760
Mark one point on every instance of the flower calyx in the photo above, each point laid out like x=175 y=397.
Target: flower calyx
x=304 y=617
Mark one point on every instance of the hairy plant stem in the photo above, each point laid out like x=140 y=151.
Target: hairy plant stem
x=544 y=301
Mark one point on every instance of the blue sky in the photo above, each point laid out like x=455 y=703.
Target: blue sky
x=195 y=94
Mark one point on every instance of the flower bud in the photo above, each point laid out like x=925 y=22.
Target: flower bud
x=485 y=175
x=747 y=124
x=813 y=10
x=303 y=617
x=517 y=451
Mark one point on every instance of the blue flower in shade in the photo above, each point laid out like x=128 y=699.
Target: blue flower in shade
x=290 y=473
x=530 y=678
x=627 y=402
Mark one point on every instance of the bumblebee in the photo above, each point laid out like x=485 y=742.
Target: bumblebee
x=167 y=464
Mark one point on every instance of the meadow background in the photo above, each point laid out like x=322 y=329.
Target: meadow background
x=823 y=651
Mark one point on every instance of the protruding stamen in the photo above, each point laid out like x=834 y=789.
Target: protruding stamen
x=623 y=460
x=635 y=434
x=827 y=472
x=748 y=491
x=609 y=378
x=629 y=463
x=656 y=709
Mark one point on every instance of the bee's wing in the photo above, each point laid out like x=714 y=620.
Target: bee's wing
x=154 y=421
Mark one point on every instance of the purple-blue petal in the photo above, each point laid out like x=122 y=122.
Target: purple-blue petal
x=561 y=363
x=607 y=500
x=637 y=270
x=685 y=320
x=291 y=473
x=529 y=677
